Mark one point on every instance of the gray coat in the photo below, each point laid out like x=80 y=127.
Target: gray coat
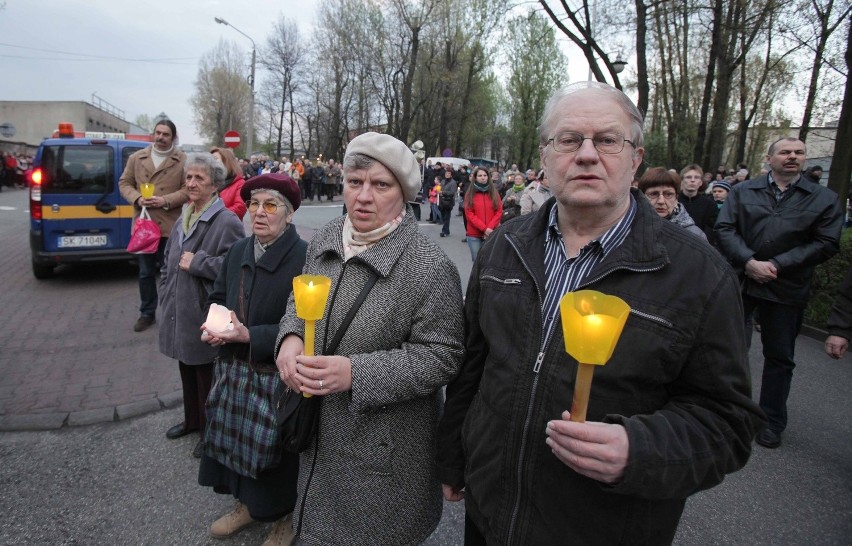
x=182 y=310
x=375 y=480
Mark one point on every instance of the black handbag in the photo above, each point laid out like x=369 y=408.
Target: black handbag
x=300 y=416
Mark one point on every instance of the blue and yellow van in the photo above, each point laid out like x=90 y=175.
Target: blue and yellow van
x=76 y=211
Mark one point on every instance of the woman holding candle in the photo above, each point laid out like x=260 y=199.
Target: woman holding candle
x=194 y=254
x=482 y=208
x=230 y=193
x=254 y=283
x=370 y=477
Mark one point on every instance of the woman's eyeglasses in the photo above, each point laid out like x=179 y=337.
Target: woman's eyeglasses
x=269 y=207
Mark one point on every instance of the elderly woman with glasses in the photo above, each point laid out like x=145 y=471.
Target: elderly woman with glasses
x=194 y=254
x=254 y=284
x=369 y=476
x=661 y=186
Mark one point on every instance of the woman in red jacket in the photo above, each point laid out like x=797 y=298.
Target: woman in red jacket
x=482 y=209
x=230 y=194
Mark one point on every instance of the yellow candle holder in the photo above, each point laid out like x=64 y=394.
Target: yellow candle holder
x=591 y=323
x=311 y=295
x=146 y=189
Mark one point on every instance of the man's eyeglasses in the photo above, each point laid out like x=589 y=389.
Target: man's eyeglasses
x=653 y=195
x=605 y=143
x=270 y=207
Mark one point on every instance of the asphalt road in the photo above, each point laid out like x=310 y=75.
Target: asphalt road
x=122 y=482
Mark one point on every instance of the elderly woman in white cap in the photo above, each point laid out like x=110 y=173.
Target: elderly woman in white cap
x=369 y=476
x=254 y=283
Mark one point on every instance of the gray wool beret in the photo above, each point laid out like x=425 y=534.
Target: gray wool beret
x=394 y=155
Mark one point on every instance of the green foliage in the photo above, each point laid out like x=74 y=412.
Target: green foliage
x=537 y=67
x=827 y=279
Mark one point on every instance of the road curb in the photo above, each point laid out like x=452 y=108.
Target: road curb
x=55 y=421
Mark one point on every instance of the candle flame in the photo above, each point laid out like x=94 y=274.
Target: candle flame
x=311 y=284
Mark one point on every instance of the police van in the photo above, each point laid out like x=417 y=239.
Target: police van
x=76 y=211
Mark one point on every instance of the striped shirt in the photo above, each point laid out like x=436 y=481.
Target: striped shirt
x=564 y=274
x=779 y=193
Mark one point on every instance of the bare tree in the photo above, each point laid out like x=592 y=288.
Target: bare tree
x=282 y=56
x=826 y=20
x=222 y=95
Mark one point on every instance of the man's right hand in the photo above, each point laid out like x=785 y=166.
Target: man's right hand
x=835 y=346
x=761 y=272
x=452 y=494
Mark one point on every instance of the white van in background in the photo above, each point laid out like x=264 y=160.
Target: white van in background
x=457 y=162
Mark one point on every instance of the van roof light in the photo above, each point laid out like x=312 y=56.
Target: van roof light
x=66 y=130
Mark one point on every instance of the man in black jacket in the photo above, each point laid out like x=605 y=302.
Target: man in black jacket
x=775 y=229
x=670 y=413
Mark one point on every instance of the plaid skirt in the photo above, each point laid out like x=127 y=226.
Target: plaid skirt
x=242 y=431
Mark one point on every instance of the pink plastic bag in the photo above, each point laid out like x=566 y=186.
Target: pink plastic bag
x=146 y=235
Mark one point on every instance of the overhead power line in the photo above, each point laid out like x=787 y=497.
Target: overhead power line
x=91 y=57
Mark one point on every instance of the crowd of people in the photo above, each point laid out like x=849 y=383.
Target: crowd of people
x=426 y=395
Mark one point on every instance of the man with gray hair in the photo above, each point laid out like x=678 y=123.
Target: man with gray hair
x=775 y=229
x=669 y=415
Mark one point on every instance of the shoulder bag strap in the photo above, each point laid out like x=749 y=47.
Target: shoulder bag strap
x=338 y=335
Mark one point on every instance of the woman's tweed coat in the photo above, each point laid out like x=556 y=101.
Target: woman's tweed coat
x=375 y=479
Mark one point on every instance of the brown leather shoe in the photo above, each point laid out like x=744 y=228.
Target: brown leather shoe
x=232 y=522
x=282 y=532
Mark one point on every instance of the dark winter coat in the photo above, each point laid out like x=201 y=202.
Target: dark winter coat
x=797 y=234
x=678 y=382
x=265 y=286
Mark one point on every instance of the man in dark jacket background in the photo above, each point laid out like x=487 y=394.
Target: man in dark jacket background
x=671 y=412
x=775 y=229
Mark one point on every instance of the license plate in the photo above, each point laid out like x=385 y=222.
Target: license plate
x=76 y=241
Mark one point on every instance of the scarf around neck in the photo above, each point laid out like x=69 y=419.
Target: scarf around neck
x=355 y=242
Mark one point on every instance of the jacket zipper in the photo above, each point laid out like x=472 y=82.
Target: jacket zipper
x=537 y=367
x=653 y=318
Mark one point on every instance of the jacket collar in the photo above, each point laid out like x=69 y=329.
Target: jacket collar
x=380 y=257
x=642 y=249
x=217 y=205
x=274 y=255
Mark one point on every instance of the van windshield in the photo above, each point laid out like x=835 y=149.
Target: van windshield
x=77 y=169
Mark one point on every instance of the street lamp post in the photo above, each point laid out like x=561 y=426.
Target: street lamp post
x=250 y=131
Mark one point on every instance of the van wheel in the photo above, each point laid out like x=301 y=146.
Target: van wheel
x=41 y=271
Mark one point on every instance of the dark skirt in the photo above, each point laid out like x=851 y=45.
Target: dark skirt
x=269 y=497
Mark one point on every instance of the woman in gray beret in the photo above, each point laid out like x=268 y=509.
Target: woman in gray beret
x=369 y=476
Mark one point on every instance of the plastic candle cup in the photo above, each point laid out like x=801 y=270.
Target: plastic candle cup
x=146 y=189
x=218 y=318
x=311 y=294
x=591 y=323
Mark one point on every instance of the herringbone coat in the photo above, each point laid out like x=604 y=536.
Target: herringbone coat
x=375 y=481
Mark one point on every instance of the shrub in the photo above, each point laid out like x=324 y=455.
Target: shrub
x=827 y=278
